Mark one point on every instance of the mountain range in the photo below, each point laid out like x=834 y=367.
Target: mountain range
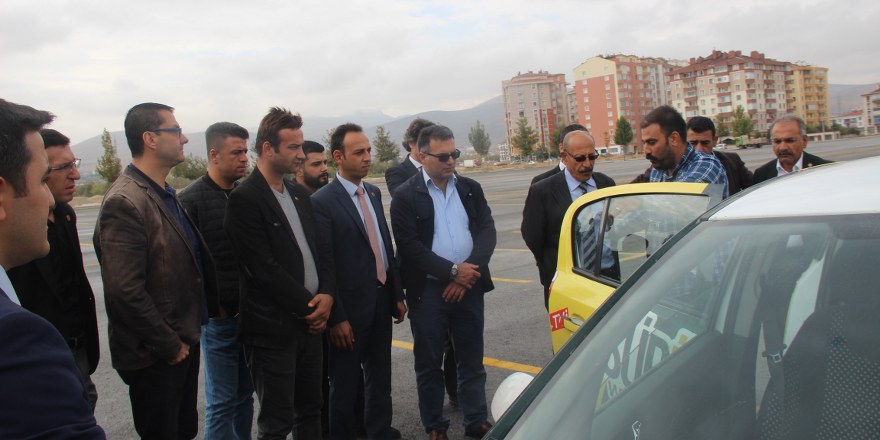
x=842 y=98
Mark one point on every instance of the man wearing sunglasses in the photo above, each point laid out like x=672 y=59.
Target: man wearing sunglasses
x=548 y=200
x=673 y=159
x=56 y=286
x=788 y=135
x=561 y=165
x=701 y=135
x=445 y=236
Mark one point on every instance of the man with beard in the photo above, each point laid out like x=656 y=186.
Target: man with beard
x=789 y=137
x=313 y=175
x=673 y=159
x=159 y=281
x=229 y=406
x=286 y=285
x=548 y=199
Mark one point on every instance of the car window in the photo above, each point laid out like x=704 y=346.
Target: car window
x=633 y=228
x=744 y=329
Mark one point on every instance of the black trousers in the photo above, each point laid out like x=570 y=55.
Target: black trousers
x=163 y=398
x=288 y=385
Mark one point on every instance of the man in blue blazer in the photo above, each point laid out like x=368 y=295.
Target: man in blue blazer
x=445 y=236
x=368 y=292
x=43 y=394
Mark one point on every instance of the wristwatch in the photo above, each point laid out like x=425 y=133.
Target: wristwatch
x=454 y=272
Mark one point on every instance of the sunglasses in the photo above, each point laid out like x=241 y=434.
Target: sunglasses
x=443 y=157
x=582 y=157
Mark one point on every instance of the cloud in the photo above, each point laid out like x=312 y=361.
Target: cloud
x=89 y=61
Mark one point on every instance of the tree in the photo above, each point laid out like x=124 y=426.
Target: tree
x=109 y=167
x=480 y=139
x=386 y=149
x=742 y=123
x=556 y=140
x=524 y=138
x=191 y=168
x=623 y=133
x=721 y=129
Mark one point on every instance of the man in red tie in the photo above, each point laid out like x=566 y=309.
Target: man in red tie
x=368 y=290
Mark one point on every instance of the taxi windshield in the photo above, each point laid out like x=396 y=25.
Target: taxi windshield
x=743 y=329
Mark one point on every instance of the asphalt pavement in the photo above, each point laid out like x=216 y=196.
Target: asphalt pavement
x=516 y=331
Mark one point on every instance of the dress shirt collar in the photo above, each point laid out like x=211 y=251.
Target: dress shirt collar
x=6 y=285
x=430 y=183
x=415 y=163
x=350 y=188
x=573 y=183
x=799 y=165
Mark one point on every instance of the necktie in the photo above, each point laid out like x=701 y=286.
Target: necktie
x=583 y=186
x=371 y=234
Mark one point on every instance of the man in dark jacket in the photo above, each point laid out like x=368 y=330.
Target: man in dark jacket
x=788 y=135
x=701 y=135
x=229 y=408
x=410 y=165
x=159 y=281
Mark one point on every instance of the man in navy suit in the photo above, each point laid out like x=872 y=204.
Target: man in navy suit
x=368 y=292
x=548 y=200
x=43 y=393
x=445 y=235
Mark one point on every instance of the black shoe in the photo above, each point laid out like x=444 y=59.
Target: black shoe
x=479 y=431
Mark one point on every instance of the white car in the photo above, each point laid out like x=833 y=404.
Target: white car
x=759 y=320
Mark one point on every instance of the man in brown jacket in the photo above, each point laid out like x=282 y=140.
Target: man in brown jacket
x=159 y=281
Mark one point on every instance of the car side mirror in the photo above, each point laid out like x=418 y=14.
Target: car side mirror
x=508 y=391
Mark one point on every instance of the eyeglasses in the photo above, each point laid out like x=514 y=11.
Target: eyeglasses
x=704 y=142
x=443 y=157
x=582 y=157
x=778 y=141
x=175 y=130
x=66 y=166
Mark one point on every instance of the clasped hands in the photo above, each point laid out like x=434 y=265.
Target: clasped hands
x=468 y=275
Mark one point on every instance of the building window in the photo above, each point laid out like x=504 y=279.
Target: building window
x=586 y=99
x=610 y=115
x=608 y=105
x=607 y=96
x=610 y=123
x=607 y=77
x=586 y=108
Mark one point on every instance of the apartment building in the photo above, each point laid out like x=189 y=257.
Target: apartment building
x=608 y=87
x=572 y=106
x=541 y=98
x=715 y=85
x=871 y=103
x=851 y=119
x=807 y=88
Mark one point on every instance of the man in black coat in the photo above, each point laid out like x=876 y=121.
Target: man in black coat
x=445 y=272
x=42 y=389
x=286 y=284
x=410 y=166
x=701 y=135
x=70 y=304
x=548 y=200
x=788 y=135
x=229 y=408
x=368 y=291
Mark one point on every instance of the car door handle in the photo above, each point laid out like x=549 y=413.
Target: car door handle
x=574 y=321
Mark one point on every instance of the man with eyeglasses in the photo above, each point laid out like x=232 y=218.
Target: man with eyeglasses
x=445 y=235
x=56 y=286
x=548 y=199
x=159 y=279
x=788 y=135
x=701 y=135
x=673 y=159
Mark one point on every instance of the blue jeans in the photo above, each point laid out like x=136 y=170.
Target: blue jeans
x=229 y=411
x=433 y=320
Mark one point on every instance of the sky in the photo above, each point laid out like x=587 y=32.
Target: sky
x=89 y=61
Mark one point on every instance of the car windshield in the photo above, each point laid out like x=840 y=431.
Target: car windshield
x=743 y=329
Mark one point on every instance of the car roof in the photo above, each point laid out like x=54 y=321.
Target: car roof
x=833 y=189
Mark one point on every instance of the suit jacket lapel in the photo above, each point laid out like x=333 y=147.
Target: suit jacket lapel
x=266 y=192
x=380 y=218
x=347 y=203
x=561 y=194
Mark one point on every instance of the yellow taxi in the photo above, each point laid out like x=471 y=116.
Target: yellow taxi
x=607 y=234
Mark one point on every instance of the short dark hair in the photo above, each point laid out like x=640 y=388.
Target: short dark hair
x=53 y=138
x=16 y=121
x=433 y=133
x=570 y=128
x=339 y=135
x=411 y=136
x=699 y=124
x=219 y=131
x=139 y=120
x=276 y=120
x=669 y=119
x=310 y=147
